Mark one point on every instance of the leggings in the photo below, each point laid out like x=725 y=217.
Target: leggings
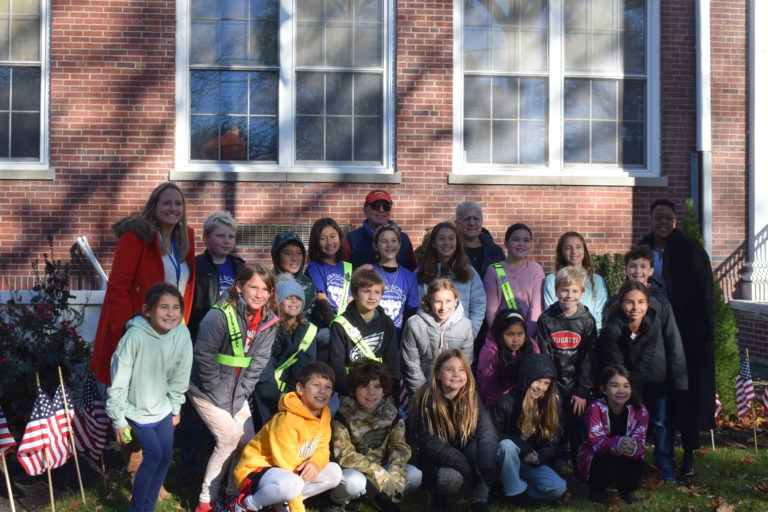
x=157 y=445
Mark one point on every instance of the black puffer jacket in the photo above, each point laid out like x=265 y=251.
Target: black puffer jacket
x=207 y=288
x=507 y=410
x=492 y=253
x=651 y=357
x=570 y=343
x=475 y=460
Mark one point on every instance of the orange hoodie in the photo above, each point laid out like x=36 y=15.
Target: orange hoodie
x=292 y=436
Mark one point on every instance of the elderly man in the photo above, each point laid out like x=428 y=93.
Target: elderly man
x=478 y=242
x=377 y=208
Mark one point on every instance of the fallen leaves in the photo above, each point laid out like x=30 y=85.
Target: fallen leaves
x=747 y=459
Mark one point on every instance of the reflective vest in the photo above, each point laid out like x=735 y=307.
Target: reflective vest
x=306 y=341
x=353 y=333
x=238 y=359
x=345 y=291
x=506 y=288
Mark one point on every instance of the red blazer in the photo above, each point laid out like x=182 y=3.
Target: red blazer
x=136 y=267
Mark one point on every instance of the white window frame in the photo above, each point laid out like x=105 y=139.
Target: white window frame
x=287 y=169
x=556 y=168
x=14 y=170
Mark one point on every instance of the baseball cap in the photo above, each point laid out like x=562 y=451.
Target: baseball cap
x=377 y=195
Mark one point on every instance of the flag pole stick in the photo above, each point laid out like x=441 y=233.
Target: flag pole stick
x=712 y=435
x=71 y=436
x=47 y=461
x=104 y=472
x=8 y=484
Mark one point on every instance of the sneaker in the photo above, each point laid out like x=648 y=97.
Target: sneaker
x=667 y=475
x=204 y=507
x=387 y=505
x=687 y=470
x=524 y=501
x=597 y=496
x=332 y=507
x=629 y=497
x=237 y=505
x=437 y=502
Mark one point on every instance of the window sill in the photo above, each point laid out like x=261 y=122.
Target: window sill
x=749 y=306
x=285 y=177
x=583 y=181
x=31 y=173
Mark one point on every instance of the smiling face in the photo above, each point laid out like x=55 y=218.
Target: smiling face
x=663 y=221
x=514 y=337
x=315 y=394
x=538 y=388
x=635 y=306
x=254 y=292
x=388 y=245
x=329 y=242
x=569 y=296
x=639 y=270
x=169 y=209
x=370 y=396
x=452 y=376
x=470 y=225
x=443 y=305
x=444 y=244
x=518 y=244
x=290 y=257
x=166 y=314
x=368 y=298
x=617 y=392
x=573 y=251
x=291 y=306
x=377 y=213
x=220 y=242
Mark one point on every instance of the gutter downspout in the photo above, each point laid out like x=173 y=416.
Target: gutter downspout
x=702 y=194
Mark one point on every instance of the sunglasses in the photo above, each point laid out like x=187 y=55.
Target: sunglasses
x=380 y=205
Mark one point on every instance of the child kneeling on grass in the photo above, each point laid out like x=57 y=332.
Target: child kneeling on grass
x=369 y=442
x=288 y=460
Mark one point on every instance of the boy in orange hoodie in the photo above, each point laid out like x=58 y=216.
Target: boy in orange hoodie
x=288 y=460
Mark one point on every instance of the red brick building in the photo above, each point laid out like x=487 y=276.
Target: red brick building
x=563 y=114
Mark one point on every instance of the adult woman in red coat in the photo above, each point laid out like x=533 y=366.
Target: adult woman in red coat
x=154 y=246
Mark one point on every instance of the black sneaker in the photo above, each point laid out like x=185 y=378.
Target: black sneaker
x=686 y=467
x=437 y=502
x=525 y=501
x=629 y=497
x=333 y=507
x=597 y=496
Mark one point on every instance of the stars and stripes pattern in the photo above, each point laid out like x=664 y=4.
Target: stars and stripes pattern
x=6 y=439
x=764 y=398
x=718 y=406
x=745 y=390
x=42 y=446
x=92 y=422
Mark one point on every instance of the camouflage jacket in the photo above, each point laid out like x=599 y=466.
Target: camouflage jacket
x=369 y=442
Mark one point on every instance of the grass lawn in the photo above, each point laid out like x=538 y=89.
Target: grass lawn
x=729 y=479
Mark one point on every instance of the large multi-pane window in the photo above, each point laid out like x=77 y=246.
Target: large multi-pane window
x=554 y=85
x=21 y=71
x=288 y=83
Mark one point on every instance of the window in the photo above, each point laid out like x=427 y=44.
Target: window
x=270 y=85
x=556 y=87
x=23 y=107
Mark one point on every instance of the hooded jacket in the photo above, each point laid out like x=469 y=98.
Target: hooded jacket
x=471 y=295
x=424 y=339
x=285 y=345
x=310 y=292
x=570 y=343
x=207 y=287
x=219 y=384
x=150 y=373
x=372 y=443
x=599 y=439
x=506 y=412
x=378 y=334
x=651 y=357
x=137 y=265
x=292 y=436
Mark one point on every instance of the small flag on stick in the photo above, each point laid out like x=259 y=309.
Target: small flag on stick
x=6 y=439
x=745 y=390
x=92 y=424
x=42 y=435
x=718 y=406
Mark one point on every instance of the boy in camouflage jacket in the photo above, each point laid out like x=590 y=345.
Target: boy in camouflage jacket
x=368 y=442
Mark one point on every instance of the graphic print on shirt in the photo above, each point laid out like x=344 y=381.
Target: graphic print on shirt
x=308 y=447
x=565 y=340
x=334 y=288
x=393 y=302
x=373 y=341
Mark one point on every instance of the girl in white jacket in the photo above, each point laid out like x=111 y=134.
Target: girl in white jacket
x=439 y=324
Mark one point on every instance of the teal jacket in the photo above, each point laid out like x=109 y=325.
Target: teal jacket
x=150 y=373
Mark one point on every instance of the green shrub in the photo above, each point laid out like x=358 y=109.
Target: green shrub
x=611 y=268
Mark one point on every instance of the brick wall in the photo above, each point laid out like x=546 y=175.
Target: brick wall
x=753 y=334
x=112 y=136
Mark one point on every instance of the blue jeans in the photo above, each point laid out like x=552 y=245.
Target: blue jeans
x=541 y=481
x=655 y=400
x=157 y=447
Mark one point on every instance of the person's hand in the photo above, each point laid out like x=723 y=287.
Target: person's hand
x=367 y=266
x=532 y=458
x=308 y=471
x=120 y=435
x=627 y=445
x=175 y=419
x=389 y=487
x=579 y=404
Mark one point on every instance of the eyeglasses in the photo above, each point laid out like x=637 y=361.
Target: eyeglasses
x=472 y=220
x=380 y=205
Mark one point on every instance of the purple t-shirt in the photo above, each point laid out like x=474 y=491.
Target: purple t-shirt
x=328 y=279
x=401 y=290
x=226 y=275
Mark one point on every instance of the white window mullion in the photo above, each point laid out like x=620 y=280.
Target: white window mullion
x=286 y=95
x=458 y=85
x=556 y=66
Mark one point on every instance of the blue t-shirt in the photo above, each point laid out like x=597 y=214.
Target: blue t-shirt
x=328 y=279
x=401 y=290
x=226 y=274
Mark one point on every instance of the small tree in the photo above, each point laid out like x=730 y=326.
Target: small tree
x=611 y=268
x=726 y=343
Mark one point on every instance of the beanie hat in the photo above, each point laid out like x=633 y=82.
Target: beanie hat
x=286 y=286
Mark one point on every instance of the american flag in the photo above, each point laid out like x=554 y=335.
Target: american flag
x=745 y=390
x=6 y=439
x=764 y=398
x=91 y=429
x=43 y=444
x=718 y=406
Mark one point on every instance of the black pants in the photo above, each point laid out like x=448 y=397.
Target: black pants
x=574 y=434
x=608 y=469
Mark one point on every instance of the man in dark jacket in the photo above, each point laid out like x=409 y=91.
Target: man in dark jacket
x=682 y=267
x=377 y=208
x=479 y=246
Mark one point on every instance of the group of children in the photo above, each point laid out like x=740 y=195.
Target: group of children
x=394 y=353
